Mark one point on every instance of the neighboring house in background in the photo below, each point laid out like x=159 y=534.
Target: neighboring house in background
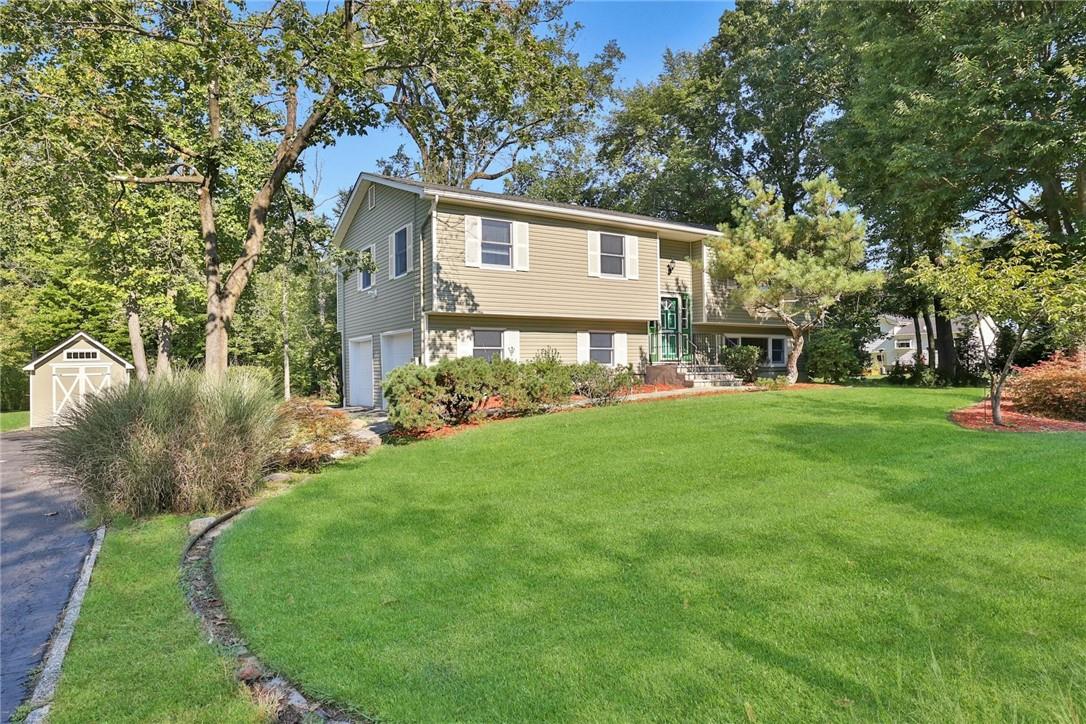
x=897 y=342
x=474 y=273
x=63 y=376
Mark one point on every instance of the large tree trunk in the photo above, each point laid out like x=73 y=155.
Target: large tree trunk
x=163 y=367
x=931 y=339
x=135 y=339
x=794 y=352
x=917 y=355
x=944 y=342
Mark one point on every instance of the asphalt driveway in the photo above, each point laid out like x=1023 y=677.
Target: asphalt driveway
x=42 y=545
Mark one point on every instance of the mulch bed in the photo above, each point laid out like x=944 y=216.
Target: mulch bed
x=979 y=417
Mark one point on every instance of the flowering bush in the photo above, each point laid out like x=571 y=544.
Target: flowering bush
x=1055 y=387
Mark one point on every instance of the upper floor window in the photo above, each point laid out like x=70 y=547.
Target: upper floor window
x=487 y=344
x=75 y=354
x=365 y=276
x=497 y=243
x=371 y=197
x=399 y=253
x=601 y=347
x=612 y=255
x=903 y=344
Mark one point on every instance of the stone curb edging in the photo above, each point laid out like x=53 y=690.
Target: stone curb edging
x=202 y=591
x=42 y=698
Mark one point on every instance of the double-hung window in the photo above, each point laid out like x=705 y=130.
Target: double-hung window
x=487 y=344
x=612 y=255
x=399 y=252
x=365 y=276
x=601 y=347
x=497 y=243
x=776 y=351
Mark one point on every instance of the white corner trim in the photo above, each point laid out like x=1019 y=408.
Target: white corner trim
x=42 y=697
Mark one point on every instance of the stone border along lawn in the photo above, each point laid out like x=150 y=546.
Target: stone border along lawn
x=290 y=704
x=881 y=564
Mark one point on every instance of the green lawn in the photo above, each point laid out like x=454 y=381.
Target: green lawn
x=839 y=554
x=138 y=654
x=16 y=420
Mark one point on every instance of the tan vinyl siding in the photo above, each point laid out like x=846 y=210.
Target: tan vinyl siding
x=557 y=282
x=397 y=303
x=681 y=279
x=718 y=305
x=537 y=334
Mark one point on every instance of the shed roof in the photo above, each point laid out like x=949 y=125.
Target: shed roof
x=80 y=335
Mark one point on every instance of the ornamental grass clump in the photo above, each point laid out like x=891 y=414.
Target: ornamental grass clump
x=182 y=444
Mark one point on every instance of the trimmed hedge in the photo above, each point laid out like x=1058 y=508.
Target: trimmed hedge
x=459 y=391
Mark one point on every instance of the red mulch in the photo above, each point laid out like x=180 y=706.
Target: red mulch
x=979 y=417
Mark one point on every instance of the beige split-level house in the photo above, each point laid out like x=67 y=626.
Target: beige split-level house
x=474 y=273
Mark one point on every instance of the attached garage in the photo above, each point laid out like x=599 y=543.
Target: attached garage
x=62 y=377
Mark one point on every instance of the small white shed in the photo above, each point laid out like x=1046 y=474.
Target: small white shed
x=63 y=376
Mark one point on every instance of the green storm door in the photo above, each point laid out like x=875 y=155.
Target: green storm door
x=669 y=329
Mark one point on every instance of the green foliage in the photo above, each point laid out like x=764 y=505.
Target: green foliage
x=831 y=356
x=602 y=385
x=792 y=267
x=773 y=383
x=922 y=375
x=1055 y=388
x=898 y=374
x=412 y=394
x=743 y=360
x=181 y=444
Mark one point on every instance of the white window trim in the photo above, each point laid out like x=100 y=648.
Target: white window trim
x=625 y=257
x=371 y=197
x=512 y=244
x=898 y=344
x=501 y=330
x=614 y=356
x=768 y=361
x=392 y=252
x=373 y=277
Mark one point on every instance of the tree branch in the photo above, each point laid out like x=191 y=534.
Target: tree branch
x=168 y=179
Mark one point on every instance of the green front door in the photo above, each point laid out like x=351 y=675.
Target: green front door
x=669 y=329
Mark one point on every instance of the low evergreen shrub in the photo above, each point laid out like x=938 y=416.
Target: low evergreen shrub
x=773 y=383
x=181 y=444
x=831 y=356
x=743 y=361
x=412 y=395
x=1055 y=387
x=602 y=385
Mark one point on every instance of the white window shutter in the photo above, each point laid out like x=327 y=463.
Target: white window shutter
x=582 y=345
x=473 y=241
x=630 y=247
x=621 y=348
x=391 y=255
x=465 y=342
x=520 y=245
x=410 y=247
x=593 y=253
x=511 y=344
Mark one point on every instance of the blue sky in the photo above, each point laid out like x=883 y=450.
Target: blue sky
x=644 y=30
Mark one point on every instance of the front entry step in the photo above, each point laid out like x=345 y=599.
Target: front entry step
x=691 y=375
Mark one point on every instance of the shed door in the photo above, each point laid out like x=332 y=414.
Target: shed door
x=72 y=383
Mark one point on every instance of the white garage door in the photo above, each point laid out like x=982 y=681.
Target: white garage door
x=396 y=351
x=360 y=383
x=72 y=383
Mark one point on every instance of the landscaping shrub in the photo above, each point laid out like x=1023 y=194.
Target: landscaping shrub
x=466 y=385
x=742 y=360
x=412 y=394
x=1055 y=387
x=601 y=385
x=315 y=434
x=921 y=375
x=181 y=444
x=899 y=374
x=773 y=383
x=832 y=356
